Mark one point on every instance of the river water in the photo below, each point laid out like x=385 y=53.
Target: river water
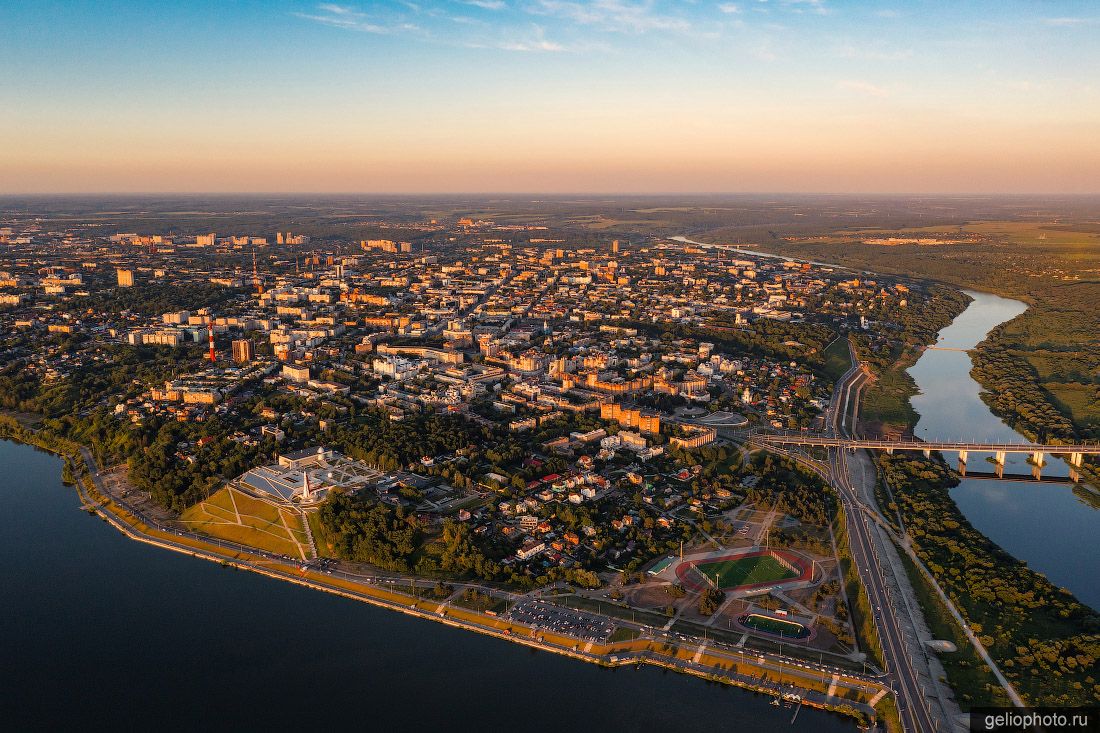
x=101 y=631
x=1045 y=525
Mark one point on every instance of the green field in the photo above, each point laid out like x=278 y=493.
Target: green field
x=745 y=571
x=837 y=359
x=776 y=626
x=235 y=516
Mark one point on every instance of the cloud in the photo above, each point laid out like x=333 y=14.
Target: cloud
x=541 y=46
x=486 y=4
x=729 y=9
x=535 y=42
x=1070 y=22
x=352 y=19
x=809 y=6
x=621 y=16
x=862 y=87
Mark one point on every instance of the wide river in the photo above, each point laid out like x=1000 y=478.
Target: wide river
x=1044 y=524
x=101 y=632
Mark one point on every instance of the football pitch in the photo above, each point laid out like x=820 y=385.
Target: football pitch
x=745 y=571
x=775 y=626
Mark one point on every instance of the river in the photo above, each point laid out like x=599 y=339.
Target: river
x=101 y=631
x=1045 y=525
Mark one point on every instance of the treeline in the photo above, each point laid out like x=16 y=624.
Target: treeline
x=153 y=299
x=1045 y=641
x=21 y=388
x=803 y=342
x=1041 y=370
x=786 y=489
x=369 y=532
x=387 y=445
x=908 y=329
x=1013 y=391
x=895 y=346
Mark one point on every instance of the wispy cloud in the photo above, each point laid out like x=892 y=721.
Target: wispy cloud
x=808 y=6
x=352 y=19
x=865 y=88
x=540 y=46
x=729 y=8
x=533 y=42
x=486 y=4
x=620 y=16
x=1067 y=22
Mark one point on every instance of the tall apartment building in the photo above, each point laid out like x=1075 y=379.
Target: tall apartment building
x=242 y=351
x=206 y=240
x=125 y=278
x=646 y=421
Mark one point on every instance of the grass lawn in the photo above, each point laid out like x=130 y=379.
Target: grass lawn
x=746 y=571
x=622 y=633
x=481 y=602
x=261 y=525
x=775 y=626
x=837 y=359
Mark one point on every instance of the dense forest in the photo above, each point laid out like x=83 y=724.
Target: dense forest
x=1041 y=370
x=369 y=532
x=153 y=299
x=785 y=488
x=1045 y=641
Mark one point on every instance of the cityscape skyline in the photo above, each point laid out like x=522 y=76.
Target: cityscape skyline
x=551 y=96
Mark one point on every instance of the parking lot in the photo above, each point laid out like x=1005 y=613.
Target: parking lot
x=577 y=624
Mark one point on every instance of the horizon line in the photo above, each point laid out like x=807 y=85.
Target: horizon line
x=413 y=194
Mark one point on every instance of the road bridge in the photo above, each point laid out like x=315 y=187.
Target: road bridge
x=1074 y=452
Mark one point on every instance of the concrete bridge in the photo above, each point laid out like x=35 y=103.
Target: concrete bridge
x=1074 y=453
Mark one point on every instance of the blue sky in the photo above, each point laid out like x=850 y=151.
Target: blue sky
x=554 y=95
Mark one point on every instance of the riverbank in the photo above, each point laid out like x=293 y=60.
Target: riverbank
x=102 y=628
x=1043 y=638
x=1040 y=368
x=690 y=658
x=822 y=688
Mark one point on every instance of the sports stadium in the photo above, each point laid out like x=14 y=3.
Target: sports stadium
x=744 y=571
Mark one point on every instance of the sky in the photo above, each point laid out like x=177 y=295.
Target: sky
x=550 y=96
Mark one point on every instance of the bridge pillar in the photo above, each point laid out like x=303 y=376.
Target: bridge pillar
x=963 y=456
x=1037 y=472
x=927 y=452
x=962 y=467
x=1000 y=458
x=1075 y=459
x=1037 y=458
x=1074 y=476
x=889 y=451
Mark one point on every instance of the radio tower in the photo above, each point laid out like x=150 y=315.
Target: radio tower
x=210 y=329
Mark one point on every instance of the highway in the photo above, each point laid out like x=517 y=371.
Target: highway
x=912 y=704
